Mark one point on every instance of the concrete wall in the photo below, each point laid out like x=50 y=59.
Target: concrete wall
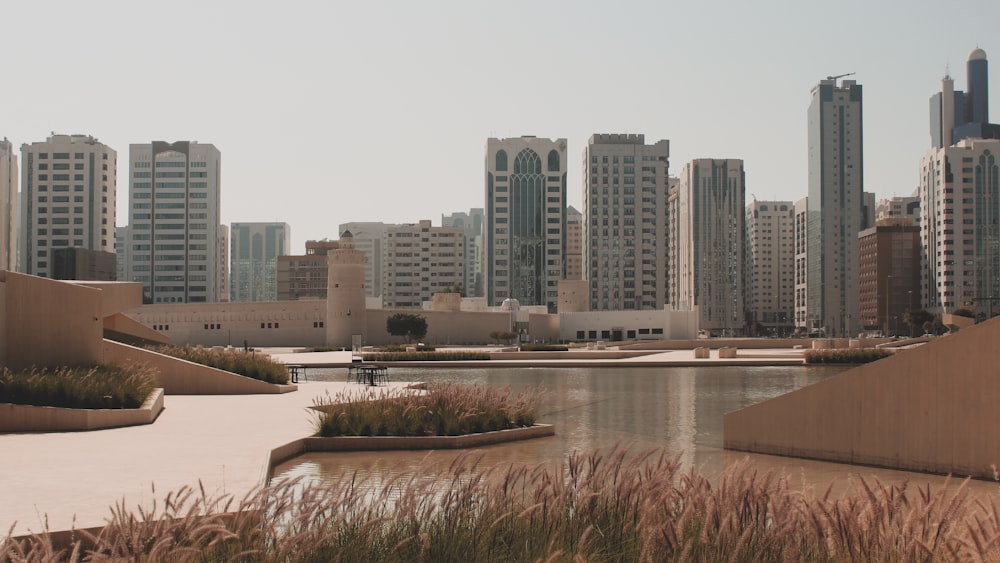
x=443 y=327
x=50 y=323
x=29 y=418
x=3 y=322
x=930 y=408
x=180 y=377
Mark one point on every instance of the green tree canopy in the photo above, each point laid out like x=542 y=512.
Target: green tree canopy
x=406 y=324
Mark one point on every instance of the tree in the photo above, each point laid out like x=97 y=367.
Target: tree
x=917 y=318
x=406 y=324
x=964 y=312
x=499 y=335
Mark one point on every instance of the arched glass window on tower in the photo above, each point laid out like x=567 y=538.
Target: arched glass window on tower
x=553 y=160
x=501 y=160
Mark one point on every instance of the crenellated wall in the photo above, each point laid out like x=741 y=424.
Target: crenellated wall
x=931 y=408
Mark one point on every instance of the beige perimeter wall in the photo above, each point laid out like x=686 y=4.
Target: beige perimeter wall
x=932 y=408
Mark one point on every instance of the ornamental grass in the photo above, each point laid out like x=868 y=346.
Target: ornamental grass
x=442 y=409
x=443 y=356
x=598 y=506
x=845 y=356
x=91 y=387
x=247 y=364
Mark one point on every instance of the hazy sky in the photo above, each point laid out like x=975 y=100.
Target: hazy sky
x=330 y=112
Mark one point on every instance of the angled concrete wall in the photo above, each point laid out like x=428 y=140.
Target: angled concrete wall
x=29 y=418
x=181 y=377
x=932 y=408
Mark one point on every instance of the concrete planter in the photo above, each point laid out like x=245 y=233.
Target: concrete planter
x=30 y=418
x=383 y=443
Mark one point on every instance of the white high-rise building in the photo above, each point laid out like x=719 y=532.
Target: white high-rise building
x=803 y=322
x=472 y=223
x=8 y=206
x=960 y=226
x=368 y=237
x=625 y=227
x=574 y=244
x=836 y=206
x=708 y=270
x=770 y=266
x=67 y=199
x=420 y=260
x=525 y=227
x=253 y=270
x=174 y=193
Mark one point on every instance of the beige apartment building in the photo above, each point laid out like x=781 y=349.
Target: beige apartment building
x=305 y=276
x=898 y=207
x=574 y=244
x=803 y=322
x=708 y=270
x=472 y=223
x=420 y=260
x=368 y=237
x=770 y=267
x=626 y=228
x=67 y=200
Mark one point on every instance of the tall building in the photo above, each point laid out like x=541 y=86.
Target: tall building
x=574 y=244
x=889 y=273
x=174 y=193
x=625 y=228
x=956 y=115
x=253 y=270
x=8 y=206
x=525 y=228
x=960 y=225
x=420 y=260
x=836 y=206
x=222 y=264
x=770 y=267
x=122 y=269
x=708 y=271
x=472 y=223
x=83 y=264
x=804 y=323
x=67 y=199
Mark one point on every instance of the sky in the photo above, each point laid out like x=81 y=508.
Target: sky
x=329 y=112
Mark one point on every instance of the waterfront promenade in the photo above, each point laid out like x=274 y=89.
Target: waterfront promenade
x=70 y=479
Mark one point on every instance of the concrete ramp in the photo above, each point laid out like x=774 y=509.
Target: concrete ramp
x=933 y=408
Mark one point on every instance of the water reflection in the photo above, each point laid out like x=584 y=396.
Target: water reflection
x=679 y=409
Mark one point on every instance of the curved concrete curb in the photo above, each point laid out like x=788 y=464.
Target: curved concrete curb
x=31 y=418
x=286 y=452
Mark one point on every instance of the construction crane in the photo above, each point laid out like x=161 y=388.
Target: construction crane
x=839 y=76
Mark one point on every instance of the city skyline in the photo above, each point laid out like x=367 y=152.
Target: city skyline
x=334 y=89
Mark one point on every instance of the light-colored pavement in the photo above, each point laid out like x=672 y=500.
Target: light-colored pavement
x=71 y=479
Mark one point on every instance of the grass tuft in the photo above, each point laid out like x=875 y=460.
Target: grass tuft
x=91 y=387
x=256 y=366
x=845 y=356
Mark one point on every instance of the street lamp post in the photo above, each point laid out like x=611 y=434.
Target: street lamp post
x=888 y=299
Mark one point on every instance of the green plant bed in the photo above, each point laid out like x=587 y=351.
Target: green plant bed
x=425 y=356
x=248 y=364
x=848 y=356
x=544 y=348
x=443 y=409
x=91 y=387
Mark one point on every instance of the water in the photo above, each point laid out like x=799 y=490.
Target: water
x=679 y=409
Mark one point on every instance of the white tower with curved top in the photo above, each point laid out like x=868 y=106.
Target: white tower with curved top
x=345 y=302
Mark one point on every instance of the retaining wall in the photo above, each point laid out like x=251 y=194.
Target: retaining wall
x=30 y=418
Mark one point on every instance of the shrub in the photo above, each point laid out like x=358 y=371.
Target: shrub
x=544 y=348
x=96 y=387
x=248 y=364
x=446 y=356
x=599 y=506
x=443 y=409
x=845 y=356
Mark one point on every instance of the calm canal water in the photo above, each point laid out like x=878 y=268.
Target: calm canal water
x=680 y=409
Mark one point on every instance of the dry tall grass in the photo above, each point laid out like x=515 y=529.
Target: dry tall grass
x=247 y=364
x=106 y=386
x=601 y=506
x=443 y=409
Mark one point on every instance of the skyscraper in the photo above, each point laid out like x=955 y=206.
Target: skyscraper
x=957 y=115
x=8 y=206
x=625 y=229
x=708 y=269
x=174 y=192
x=420 y=260
x=770 y=266
x=525 y=228
x=253 y=270
x=836 y=206
x=472 y=223
x=67 y=200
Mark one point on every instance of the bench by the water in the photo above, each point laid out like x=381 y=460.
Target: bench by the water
x=368 y=373
x=295 y=371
